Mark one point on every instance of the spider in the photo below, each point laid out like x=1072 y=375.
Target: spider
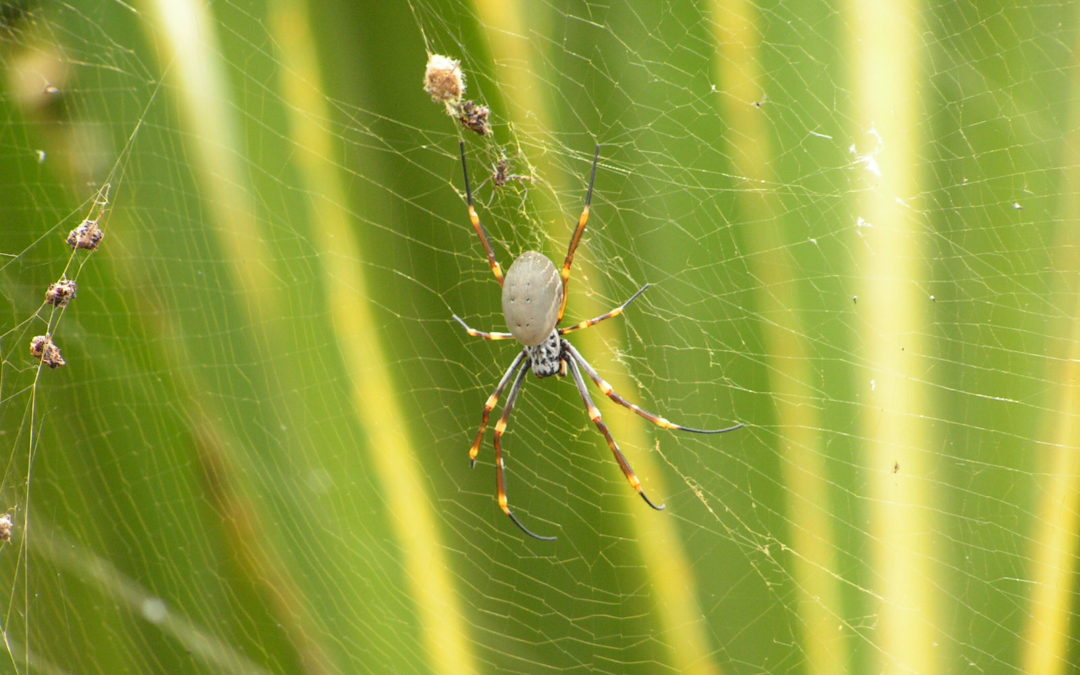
x=502 y=174
x=533 y=302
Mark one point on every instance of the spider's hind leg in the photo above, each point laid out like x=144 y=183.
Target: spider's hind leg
x=490 y=404
x=500 y=470
x=662 y=422
x=594 y=415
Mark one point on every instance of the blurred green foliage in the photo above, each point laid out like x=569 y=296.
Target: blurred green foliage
x=202 y=488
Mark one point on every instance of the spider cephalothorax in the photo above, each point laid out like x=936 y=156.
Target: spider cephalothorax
x=547 y=358
x=533 y=302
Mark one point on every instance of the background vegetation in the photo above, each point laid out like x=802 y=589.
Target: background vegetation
x=860 y=220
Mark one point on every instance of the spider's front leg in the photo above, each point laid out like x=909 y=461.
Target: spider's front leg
x=475 y=220
x=564 y=274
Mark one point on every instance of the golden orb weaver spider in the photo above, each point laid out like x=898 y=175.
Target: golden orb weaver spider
x=533 y=301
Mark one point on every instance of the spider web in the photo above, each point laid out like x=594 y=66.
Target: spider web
x=859 y=227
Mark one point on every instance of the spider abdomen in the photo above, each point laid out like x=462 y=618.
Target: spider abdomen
x=531 y=298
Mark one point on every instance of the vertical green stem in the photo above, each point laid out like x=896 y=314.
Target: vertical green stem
x=738 y=70
x=884 y=48
x=443 y=630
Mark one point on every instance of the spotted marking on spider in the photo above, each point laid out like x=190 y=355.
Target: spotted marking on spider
x=533 y=302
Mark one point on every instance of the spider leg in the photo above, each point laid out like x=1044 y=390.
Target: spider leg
x=610 y=315
x=500 y=471
x=604 y=387
x=490 y=404
x=475 y=219
x=594 y=415
x=481 y=334
x=576 y=239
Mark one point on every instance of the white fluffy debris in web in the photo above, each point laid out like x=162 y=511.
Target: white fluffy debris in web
x=444 y=81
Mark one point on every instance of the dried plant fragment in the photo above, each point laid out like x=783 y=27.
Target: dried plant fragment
x=87 y=235
x=62 y=292
x=474 y=117
x=45 y=350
